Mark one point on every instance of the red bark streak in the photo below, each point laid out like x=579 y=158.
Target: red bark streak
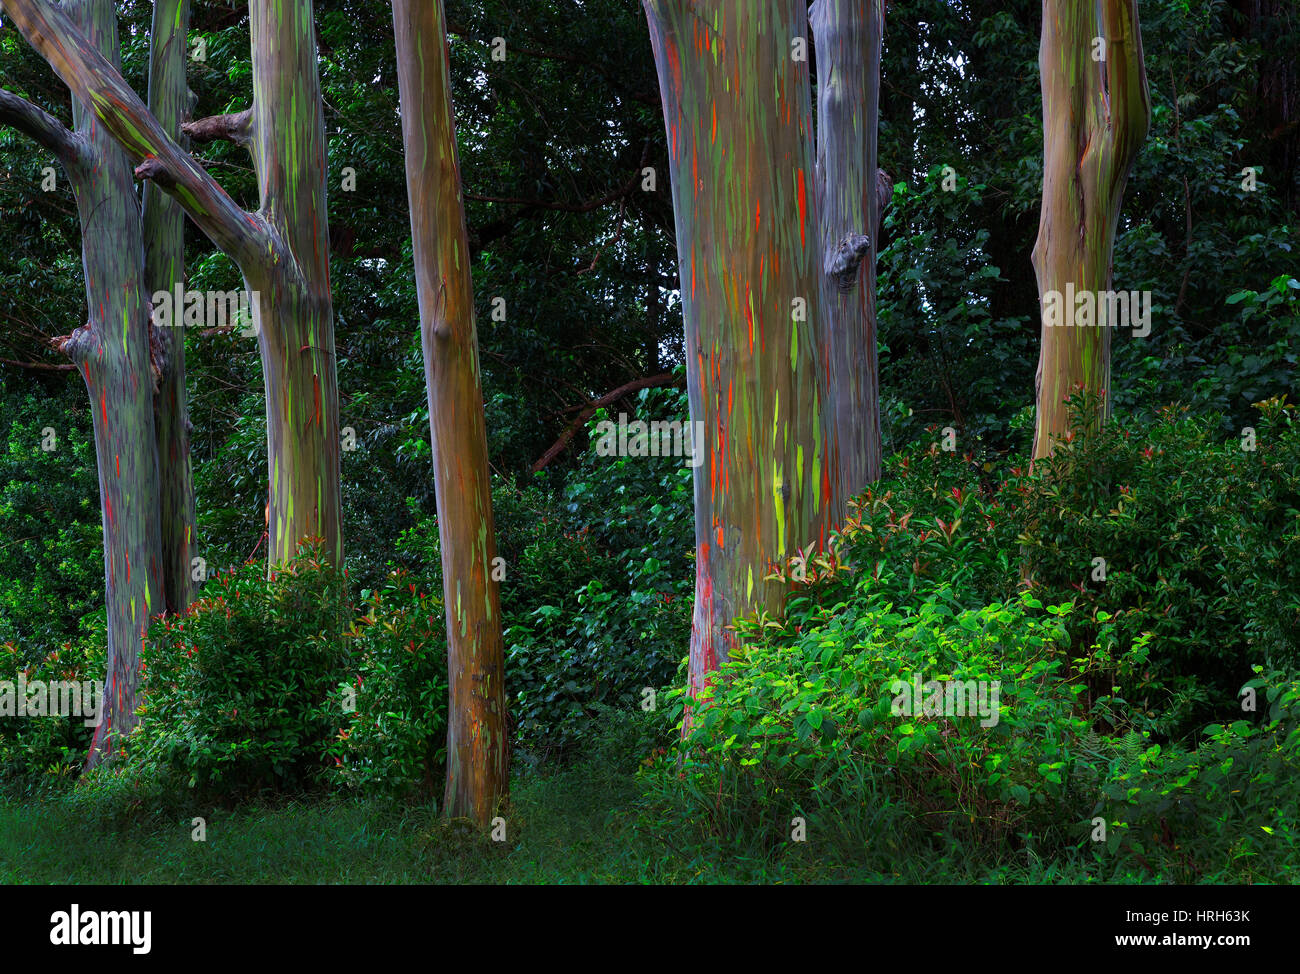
x=803 y=212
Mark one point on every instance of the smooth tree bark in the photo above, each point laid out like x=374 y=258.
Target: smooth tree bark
x=112 y=353
x=282 y=250
x=164 y=245
x=1096 y=112
x=847 y=35
x=738 y=112
x=477 y=745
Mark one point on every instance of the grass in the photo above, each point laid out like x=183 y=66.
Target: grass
x=573 y=826
x=583 y=825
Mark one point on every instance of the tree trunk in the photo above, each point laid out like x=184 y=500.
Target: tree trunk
x=1095 y=116
x=164 y=243
x=133 y=375
x=294 y=312
x=848 y=38
x=477 y=751
x=282 y=249
x=112 y=351
x=738 y=112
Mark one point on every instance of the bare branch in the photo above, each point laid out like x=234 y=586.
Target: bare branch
x=95 y=82
x=40 y=366
x=40 y=126
x=235 y=127
x=649 y=382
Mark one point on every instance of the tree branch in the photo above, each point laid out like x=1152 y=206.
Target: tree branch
x=40 y=126
x=94 y=81
x=570 y=431
x=40 y=366
x=235 y=127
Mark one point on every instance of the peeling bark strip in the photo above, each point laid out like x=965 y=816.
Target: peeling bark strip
x=282 y=250
x=1095 y=117
x=738 y=113
x=848 y=39
x=477 y=749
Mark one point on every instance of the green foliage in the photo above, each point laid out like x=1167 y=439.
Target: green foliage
x=809 y=721
x=40 y=754
x=50 y=533
x=611 y=581
x=596 y=593
x=394 y=712
x=1104 y=686
x=1199 y=543
x=237 y=689
x=1224 y=811
x=944 y=344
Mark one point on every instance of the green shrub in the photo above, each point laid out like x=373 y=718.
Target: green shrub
x=52 y=586
x=1199 y=541
x=394 y=711
x=1223 y=811
x=38 y=754
x=237 y=689
x=803 y=723
x=602 y=611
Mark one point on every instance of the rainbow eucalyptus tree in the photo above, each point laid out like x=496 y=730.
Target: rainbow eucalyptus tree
x=112 y=351
x=769 y=255
x=476 y=732
x=852 y=193
x=1096 y=111
x=164 y=243
x=282 y=250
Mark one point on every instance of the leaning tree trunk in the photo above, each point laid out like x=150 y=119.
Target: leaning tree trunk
x=738 y=112
x=164 y=242
x=282 y=250
x=848 y=38
x=1095 y=116
x=476 y=733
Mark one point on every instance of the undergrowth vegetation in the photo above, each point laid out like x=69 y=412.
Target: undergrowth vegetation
x=1120 y=628
x=1084 y=672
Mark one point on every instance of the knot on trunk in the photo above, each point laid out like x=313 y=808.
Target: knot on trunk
x=842 y=264
x=153 y=169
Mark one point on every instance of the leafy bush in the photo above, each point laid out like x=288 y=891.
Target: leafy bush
x=1224 y=811
x=1199 y=541
x=808 y=720
x=49 y=520
x=237 y=689
x=621 y=621
x=41 y=753
x=395 y=709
